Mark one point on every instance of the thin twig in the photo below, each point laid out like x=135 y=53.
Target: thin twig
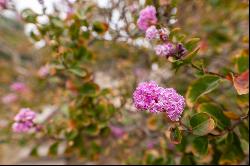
x=207 y=72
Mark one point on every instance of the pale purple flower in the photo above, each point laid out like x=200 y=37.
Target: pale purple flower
x=18 y=87
x=25 y=114
x=9 y=98
x=147 y=18
x=24 y=120
x=133 y=8
x=43 y=71
x=172 y=103
x=22 y=127
x=152 y=33
x=149 y=96
x=118 y=132
x=165 y=50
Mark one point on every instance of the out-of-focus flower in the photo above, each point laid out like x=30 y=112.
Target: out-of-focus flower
x=163 y=32
x=3 y=4
x=149 y=96
x=147 y=18
x=165 y=50
x=24 y=121
x=9 y=98
x=181 y=50
x=150 y=145
x=43 y=71
x=132 y=8
x=18 y=87
x=118 y=132
x=152 y=33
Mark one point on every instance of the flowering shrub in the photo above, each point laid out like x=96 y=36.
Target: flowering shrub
x=130 y=88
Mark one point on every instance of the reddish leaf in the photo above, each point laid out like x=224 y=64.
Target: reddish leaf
x=241 y=83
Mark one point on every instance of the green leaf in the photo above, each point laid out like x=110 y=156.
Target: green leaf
x=174 y=32
x=201 y=87
x=71 y=135
x=57 y=22
x=188 y=58
x=216 y=113
x=34 y=151
x=175 y=135
x=29 y=15
x=242 y=62
x=244 y=146
x=233 y=152
x=200 y=145
x=170 y=160
x=244 y=131
x=187 y=159
x=201 y=124
x=92 y=130
x=78 y=71
x=191 y=43
x=53 y=148
x=100 y=27
x=89 y=88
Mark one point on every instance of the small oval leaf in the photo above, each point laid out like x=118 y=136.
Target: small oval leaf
x=216 y=113
x=175 y=135
x=201 y=124
x=200 y=145
x=201 y=87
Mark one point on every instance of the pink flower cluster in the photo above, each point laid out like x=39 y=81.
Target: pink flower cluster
x=146 y=22
x=24 y=121
x=43 y=71
x=147 y=18
x=152 y=33
x=165 y=50
x=18 y=87
x=150 y=96
x=9 y=98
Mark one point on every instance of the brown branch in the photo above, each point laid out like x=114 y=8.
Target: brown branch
x=207 y=72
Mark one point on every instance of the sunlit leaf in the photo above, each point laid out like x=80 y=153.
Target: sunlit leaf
x=202 y=124
x=201 y=87
x=216 y=113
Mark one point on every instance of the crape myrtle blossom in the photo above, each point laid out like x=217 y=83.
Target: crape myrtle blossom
x=43 y=71
x=9 y=98
x=170 y=49
x=150 y=96
x=147 y=18
x=24 y=121
x=165 y=50
x=152 y=33
x=18 y=87
x=118 y=132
